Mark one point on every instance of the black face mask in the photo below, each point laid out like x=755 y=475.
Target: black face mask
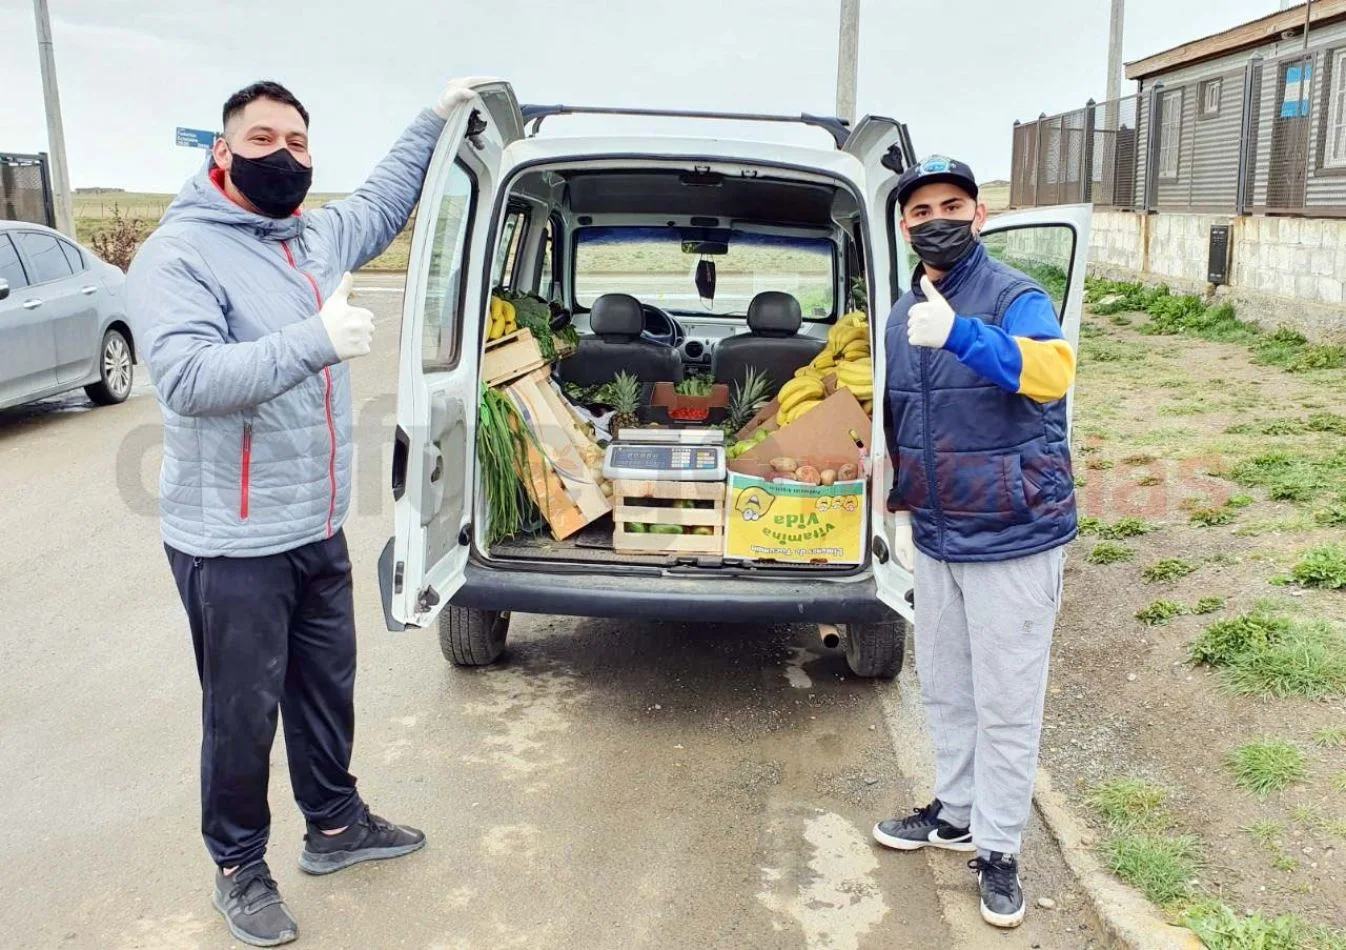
x=944 y=242
x=275 y=183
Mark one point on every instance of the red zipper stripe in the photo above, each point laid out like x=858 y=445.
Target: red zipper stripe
x=327 y=398
x=247 y=471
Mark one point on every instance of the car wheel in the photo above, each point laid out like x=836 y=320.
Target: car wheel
x=114 y=371
x=470 y=637
x=875 y=650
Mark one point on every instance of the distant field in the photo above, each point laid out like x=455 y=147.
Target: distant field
x=93 y=213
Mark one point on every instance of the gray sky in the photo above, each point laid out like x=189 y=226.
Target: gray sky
x=958 y=73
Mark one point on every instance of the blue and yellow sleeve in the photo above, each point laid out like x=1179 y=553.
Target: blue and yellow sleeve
x=1026 y=354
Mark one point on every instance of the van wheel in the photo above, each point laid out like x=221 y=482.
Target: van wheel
x=472 y=637
x=875 y=650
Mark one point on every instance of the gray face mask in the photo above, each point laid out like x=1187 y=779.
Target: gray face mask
x=944 y=242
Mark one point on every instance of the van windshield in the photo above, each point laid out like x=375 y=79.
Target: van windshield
x=649 y=264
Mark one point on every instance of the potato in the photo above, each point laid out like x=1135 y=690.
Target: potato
x=808 y=475
x=784 y=464
x=828 y=476
x=848 y=472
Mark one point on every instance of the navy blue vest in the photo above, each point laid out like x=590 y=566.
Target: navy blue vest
x=986 y=473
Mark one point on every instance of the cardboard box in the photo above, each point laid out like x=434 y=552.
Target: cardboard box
x=825 y=433
x=665 y=402
x=793 y=523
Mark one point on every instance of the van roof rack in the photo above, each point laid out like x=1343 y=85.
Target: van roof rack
x=838 y=128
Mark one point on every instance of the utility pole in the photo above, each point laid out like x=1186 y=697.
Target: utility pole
x=1115 y=62
x=848 y=59
x=60 y=171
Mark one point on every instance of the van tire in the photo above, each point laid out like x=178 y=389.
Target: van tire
x=470 y=637
x=875 y=650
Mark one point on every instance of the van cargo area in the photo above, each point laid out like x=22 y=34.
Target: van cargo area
x=690 y=322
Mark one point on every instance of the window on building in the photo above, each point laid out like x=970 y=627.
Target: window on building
x=1170 y=133
x=1334 y=146
x=1211 y=90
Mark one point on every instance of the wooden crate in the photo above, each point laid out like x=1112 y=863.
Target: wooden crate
x=629 y=505
x=511 y=357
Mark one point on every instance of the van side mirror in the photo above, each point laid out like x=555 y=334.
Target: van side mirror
x=4 y=288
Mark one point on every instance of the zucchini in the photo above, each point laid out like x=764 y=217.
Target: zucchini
x=665 y=529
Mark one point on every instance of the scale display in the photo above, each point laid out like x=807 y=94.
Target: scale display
x=673 y=463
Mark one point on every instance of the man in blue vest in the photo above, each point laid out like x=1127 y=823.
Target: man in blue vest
x=977 y=377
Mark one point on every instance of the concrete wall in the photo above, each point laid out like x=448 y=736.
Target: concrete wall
x=1283 y=271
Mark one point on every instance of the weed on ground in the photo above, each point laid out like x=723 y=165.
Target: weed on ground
x=1267 y=765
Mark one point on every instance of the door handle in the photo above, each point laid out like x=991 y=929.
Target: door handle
x=31 y=304
x=88 y=290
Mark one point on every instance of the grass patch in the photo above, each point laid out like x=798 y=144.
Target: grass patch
x=1118 y=320
x=1098 y=465
x=1128 y=803
x=1267 y=765
x=1339 y=783
x=1128 y=527
x=1211 y=517
x=1239 y=501
x=1327 y=422
x=1292 y=477
x=1267 y=655
x=1330 y=737
x=1080 y=481
x=1220 y=928
x=1333 y=516
x=1161 y=866
x=1143 y=458
x=1266 y=833
x=1169 y=569
x=1323 y=566
x=1160 y=612
x=1208 y=605
x=1149 y=481
x=1110 y=552
x=1102 y=350
x=1225 y=642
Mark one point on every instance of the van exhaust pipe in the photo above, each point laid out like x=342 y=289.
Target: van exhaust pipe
x=830 y=635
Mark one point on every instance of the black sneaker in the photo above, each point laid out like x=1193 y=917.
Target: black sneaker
x=1002 y=899
x=370 y=838
x=923 y=829
x=251 y=905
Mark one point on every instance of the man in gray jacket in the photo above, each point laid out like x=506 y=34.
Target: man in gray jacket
x=239 y=305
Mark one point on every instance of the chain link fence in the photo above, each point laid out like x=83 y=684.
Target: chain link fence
x=25 y=189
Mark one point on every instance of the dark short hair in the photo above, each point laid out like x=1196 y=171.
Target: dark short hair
x=262 y=90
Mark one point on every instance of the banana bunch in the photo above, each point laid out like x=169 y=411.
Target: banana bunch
x=858 y=377
x=503 y=318
x=798 y=396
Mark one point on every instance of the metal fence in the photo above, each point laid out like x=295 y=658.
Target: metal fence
x=1257 y=138
x=25 y=189
x=1087 y=156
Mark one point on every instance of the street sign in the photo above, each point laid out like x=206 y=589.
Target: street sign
x=196 y=138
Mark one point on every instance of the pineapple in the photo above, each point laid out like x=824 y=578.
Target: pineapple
x=626 y=392
x=750 y=395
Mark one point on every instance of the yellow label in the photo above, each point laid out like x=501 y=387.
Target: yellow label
x=797 y=523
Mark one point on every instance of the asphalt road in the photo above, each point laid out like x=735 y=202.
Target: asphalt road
x=614 y=785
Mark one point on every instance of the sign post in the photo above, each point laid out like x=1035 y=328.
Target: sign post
x=196 y=138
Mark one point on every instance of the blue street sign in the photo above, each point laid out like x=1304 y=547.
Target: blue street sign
x=196 y=138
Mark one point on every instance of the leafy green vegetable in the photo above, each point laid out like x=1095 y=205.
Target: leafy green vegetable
x=502 y=449
x=698 y=385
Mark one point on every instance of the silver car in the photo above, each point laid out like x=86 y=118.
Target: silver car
x=62 y=319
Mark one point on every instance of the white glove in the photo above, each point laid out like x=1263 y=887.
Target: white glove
x=904 y=549
x=351 y=329
x=929 y=322
x=457 y=92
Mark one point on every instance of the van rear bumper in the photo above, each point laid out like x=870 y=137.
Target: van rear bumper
x=654 y=597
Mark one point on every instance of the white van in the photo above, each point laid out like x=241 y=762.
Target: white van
x=504 y=208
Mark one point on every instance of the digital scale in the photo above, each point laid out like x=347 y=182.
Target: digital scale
x=668 y=455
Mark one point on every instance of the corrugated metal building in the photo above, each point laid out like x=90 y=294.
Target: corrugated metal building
x=1246 y=120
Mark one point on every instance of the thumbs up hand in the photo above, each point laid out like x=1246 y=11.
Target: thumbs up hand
x=351 y=329
x=930 y=321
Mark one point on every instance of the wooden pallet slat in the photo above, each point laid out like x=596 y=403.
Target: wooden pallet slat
x=630 y=499
x=510 y=357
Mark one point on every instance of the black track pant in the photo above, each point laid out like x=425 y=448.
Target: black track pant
x=272 y=633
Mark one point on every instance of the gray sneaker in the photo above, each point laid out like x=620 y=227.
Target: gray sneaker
x=251 y=905
x=369 y=838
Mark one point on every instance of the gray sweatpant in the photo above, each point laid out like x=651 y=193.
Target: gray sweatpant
x=983 y=639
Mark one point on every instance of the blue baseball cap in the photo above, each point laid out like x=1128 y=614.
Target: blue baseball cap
x=933 y=169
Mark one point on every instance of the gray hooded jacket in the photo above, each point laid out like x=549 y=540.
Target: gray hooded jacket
x=257 y=410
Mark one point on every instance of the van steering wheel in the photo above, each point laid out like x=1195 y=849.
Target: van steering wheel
x=661 y=328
